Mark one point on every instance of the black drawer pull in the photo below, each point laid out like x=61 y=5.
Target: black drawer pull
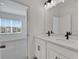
x=56 y=57
x=35 y=58
x=38 y=48
x=2 y=46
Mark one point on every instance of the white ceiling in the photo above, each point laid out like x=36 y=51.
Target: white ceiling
x=41 y=2
x=30 y=2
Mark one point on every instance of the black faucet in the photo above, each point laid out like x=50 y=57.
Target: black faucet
x=67 y=35
x=48 y=33
x=52 y=32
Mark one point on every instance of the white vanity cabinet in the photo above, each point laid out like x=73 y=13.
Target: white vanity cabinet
x=40 y=49
x=55 y=51
x=51 y=54
x=49 y=50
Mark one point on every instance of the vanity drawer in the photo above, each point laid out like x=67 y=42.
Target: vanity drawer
x=70 y=54
x=52 y=54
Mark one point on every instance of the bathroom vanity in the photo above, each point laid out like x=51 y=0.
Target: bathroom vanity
x=55 y=48
x=60 y=19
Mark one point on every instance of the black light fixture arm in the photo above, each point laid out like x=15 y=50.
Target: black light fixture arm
x=49 y=1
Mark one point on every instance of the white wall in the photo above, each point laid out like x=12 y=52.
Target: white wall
x=35 y=24
x=71 y=9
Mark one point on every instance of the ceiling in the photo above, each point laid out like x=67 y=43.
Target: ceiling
x=38 y=2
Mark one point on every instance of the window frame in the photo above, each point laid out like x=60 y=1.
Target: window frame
x=11 y=32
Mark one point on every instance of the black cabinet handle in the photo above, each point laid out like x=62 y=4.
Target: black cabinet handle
x=38 y=48
x=2 y=46
x=56 y=57
x=35 y=58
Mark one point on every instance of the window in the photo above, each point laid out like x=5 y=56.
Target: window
x=10 y=26
x=5 y=26
x=16 y=25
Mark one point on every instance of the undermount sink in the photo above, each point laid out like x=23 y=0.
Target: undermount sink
x=72 y=39
x=67 y=41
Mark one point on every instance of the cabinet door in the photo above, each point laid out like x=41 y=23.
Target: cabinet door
x=0 y=53
x=40 y=52
x=63 y=51
x=1 y=48
x=14 y=50
x=52 y=54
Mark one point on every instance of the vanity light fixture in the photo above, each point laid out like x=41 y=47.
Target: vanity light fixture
x=50 y=3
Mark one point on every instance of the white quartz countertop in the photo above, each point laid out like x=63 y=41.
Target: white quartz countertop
x=62 y=41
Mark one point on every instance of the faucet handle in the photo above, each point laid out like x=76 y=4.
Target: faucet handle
x=48 y=33
x=70 y=33
x=52 y=32
x=66 y=34
x=35 y=58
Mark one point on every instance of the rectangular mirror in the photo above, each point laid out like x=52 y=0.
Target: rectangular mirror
x=56 y=24
x=62 y=24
